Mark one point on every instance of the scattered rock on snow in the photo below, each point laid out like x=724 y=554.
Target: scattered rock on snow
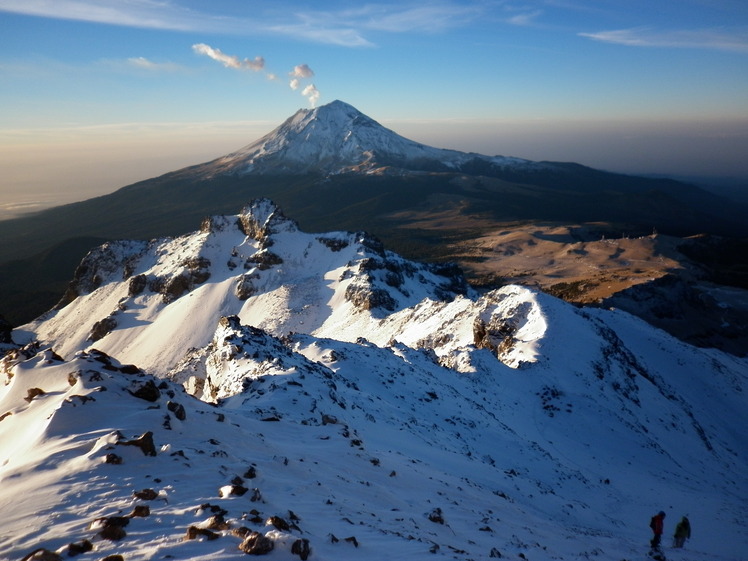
x=140 y=511
x=144 y=442
x=32 y=393
x=145 y=494
x=42 y=554
x=193 y=532
x=146 y=390
x=301 y=548
x=79 y=548
x=256 y=544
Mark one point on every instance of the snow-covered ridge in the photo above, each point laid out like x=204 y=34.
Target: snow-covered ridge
x=337 y=138
x=357 y=404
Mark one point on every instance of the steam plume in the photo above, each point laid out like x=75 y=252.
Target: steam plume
x=311 y=93
x=229 y=61
x=302 y=71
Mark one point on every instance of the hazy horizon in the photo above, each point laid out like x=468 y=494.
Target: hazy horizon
x=104 y=94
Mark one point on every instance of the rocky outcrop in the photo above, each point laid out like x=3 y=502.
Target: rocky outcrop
x=102 y=328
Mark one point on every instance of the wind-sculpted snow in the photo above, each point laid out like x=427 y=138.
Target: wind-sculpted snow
x=317 y=396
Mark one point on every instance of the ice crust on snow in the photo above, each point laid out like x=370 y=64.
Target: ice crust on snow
x=368 y=395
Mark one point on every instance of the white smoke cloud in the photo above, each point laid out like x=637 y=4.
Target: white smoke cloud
x=229 y=61
x=311 y=93
x=301 y=71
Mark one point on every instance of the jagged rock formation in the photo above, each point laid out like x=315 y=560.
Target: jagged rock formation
x=347 y=402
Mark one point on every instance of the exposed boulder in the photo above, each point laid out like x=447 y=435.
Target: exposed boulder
x=144 y=442
x=245 y=286
x=33 y=393
x=368 y=298
x=193 y=533
x=42 y=554
x=301 y=548
x=137 y=285
x=256 y=544
x=145 y=389
x=217 y=522
x=177 y=409
x=145 y=494
x=79 y=548
x=102 y=328
x=140 y=511
x=278 y=522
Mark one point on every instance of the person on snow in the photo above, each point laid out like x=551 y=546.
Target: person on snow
x=682 y=532
x=657 y=524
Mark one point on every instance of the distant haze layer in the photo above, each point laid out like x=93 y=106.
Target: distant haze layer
x=45 y=168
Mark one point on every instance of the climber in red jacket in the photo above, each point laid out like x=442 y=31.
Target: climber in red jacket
x=657 y=524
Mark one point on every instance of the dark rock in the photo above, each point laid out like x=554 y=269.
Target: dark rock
x=233 y=490
x=368 y=298
x=79 y=548
x=495 y=553
x=351 y=539
x=256 y=544
x=144 y=442
x=251 y=473
x=217 y=522
x=42 y=554
x=436 y=516
x=278 y=522
x=137 y=285
x=215 y=509
x=32 y=393
x=193 y=532
x=145 y=494
x=102 y=328
x=241 y=532
x=301 y=548
x=146 y=390
x=329 y=419
x=112 y=533
x=334 y=244
x=115 y=557
x=177 y=409
x=140 y=511
x=175 y=287
x=264 y=260
x=497 y=336
x=113 y=459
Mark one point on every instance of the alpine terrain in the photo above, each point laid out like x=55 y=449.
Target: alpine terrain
x=333 y=168
x=251 y=388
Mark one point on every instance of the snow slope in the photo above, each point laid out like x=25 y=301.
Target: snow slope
x=357 y=395
x=336 y=138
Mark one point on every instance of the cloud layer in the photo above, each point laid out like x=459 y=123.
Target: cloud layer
x=345 y=27
x=719 y=39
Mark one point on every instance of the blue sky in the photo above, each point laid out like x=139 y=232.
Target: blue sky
x=108 y=92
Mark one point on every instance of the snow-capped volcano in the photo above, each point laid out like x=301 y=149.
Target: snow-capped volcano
x=352 y=404
x=336 y=138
